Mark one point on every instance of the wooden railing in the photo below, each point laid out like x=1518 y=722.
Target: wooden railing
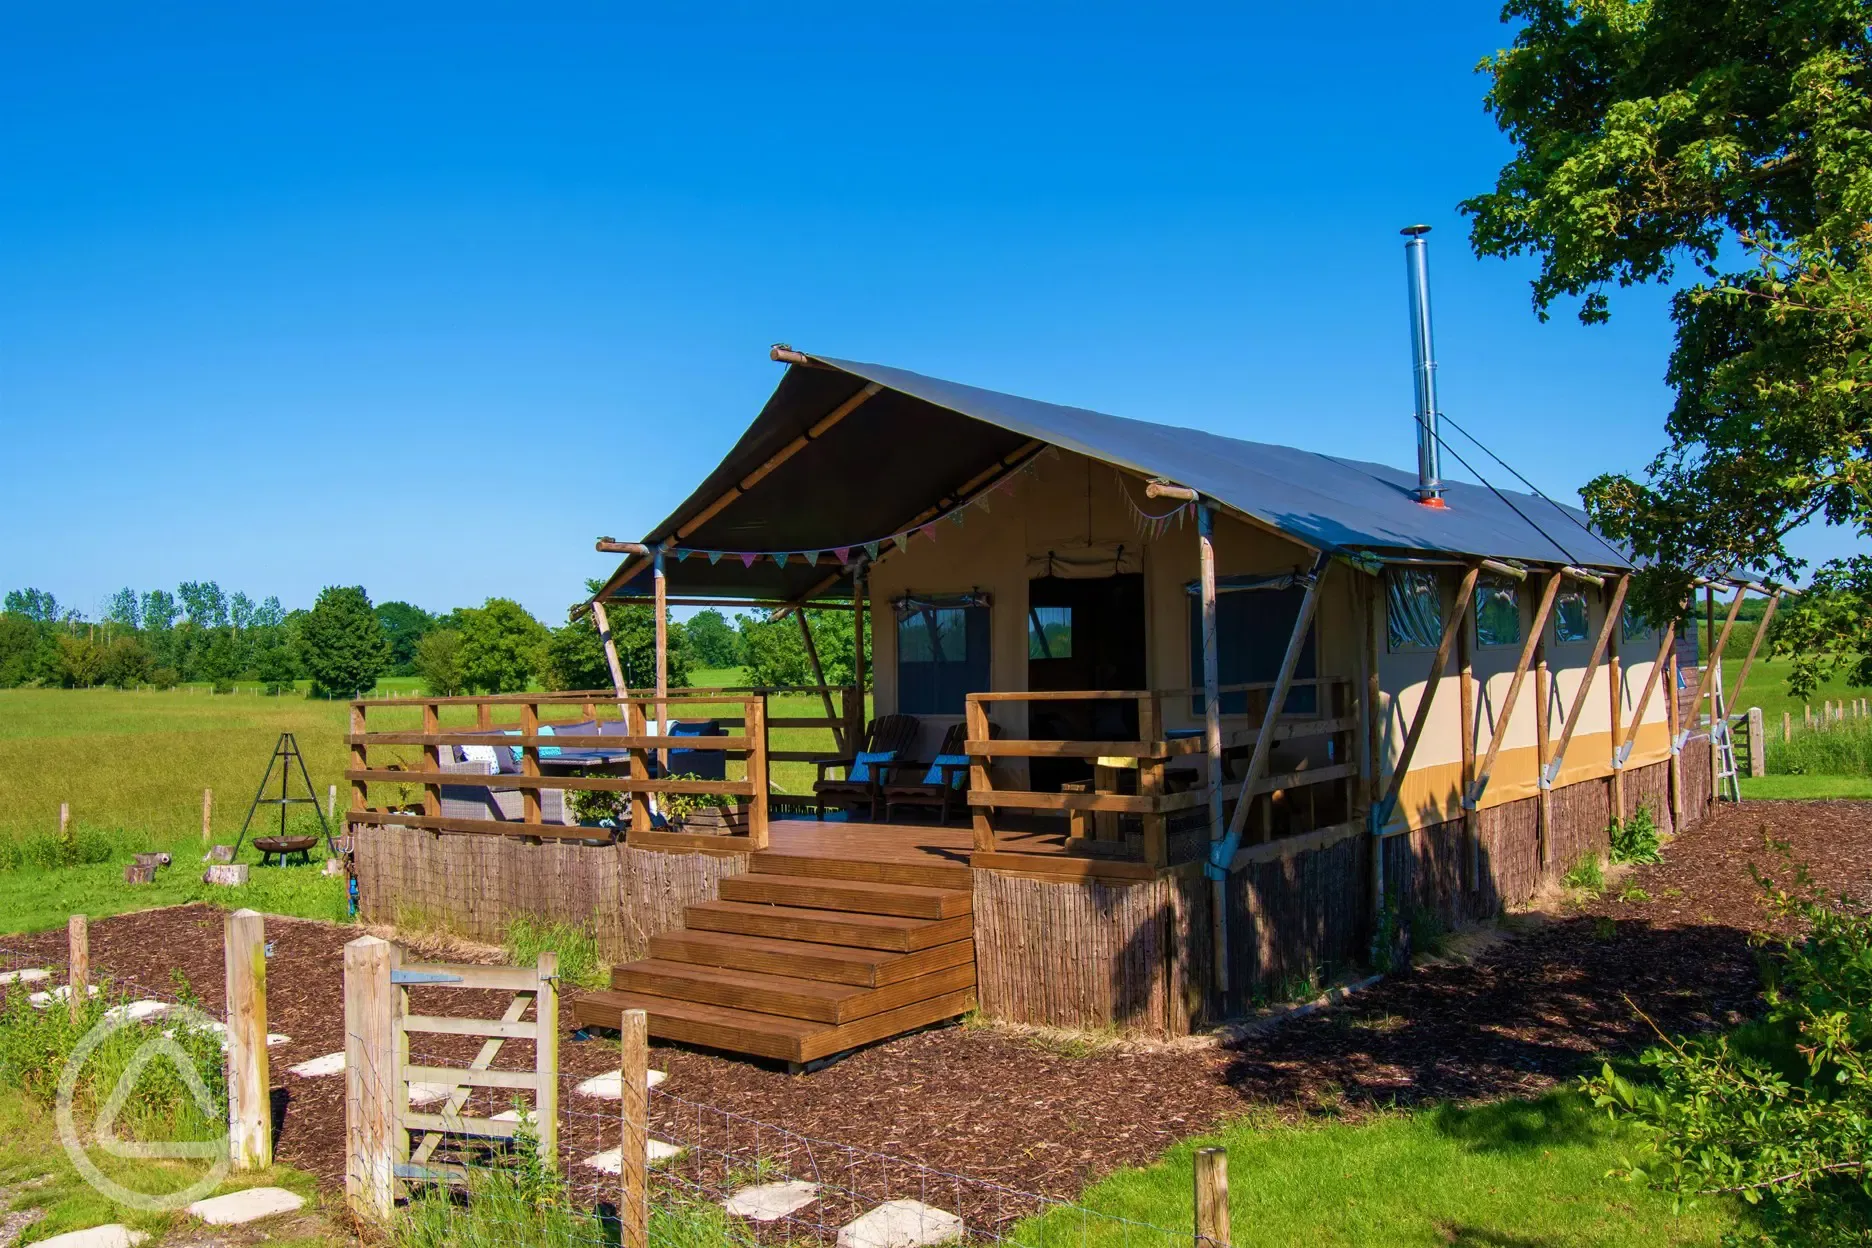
x=524 y=716
x=1098 y=812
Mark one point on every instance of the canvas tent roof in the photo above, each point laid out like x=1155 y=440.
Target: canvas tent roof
x=916 y=441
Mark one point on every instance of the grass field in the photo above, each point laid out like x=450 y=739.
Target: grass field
x=1767 y=688
x=1518 y=1172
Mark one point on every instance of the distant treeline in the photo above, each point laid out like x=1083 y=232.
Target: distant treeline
x=344 y=644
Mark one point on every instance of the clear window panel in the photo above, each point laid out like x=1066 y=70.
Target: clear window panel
x=1570 y=619
x=933 y=635
x=1497 y=612
x=1049 y=632
x=1635 y=626
x=1415 y=612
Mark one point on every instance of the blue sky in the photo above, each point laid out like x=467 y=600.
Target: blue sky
x=301 y=295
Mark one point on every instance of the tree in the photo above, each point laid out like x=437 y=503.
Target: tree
x=123 y=609
x=403 y=626
x=21 y=644
x=34 y=604
x=575 y=657
x=274 y=667
x=205 y=603
x=712 y=641
x=127 y=663
x=1733 y=142
x=80 y=661
x=340 y=644
x=159 y=610
x=775 y=653
x=502 y=648
x=438 y=662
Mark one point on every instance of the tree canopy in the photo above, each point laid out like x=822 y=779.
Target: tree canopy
x=343 y=648
x=1724 y=148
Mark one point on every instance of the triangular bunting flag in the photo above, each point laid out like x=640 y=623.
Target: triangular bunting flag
x=714 y=557
x=902 y=540
x=957 y=515
x=929 y=530
x=747 y=558
x=780 y=558
x=812 y=558
x=871 y=548
x=982 y=503
x=842 y=553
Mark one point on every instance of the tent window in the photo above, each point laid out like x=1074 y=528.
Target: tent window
x=1049 y=632
x=1635 y=626
x=1416 y=609
x=1497 y=612
x=1569 y=617
x=942 y=656
x=1253 y=628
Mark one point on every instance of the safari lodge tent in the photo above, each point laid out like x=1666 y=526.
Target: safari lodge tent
x=1218 y=713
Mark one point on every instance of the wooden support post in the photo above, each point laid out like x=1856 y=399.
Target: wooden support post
x=633 y=1158
x=757 y=770
x=1543 y=742
x=432 y=758
x=980 y=779
x=1151 y=782
x=1372 y=713
x=207 y=815
x=662 y=659
x=1706 y=687
x=1787 y=728
x=1465 y=594
x=1466 y=702
x=825 y=691
x=64 y=821
x=1212 y=1207
x=250 y=1105
x=1212 y=698
x=856 y=732
x=640 y=767
x=371 y=1112
x=1748 y=664
x=78 y=963
x=360 y=791
x=546 y=1060
x=1616 y=671
x=1758 y=743
x=529 y=762
x=1674 y=710
x=1666 y=649
x=331 y=803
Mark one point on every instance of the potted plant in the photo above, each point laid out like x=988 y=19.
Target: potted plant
x=705 y=814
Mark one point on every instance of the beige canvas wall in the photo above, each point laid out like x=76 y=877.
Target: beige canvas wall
x=1078 y=510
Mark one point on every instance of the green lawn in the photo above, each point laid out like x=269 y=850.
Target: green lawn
x=1767 y=688
x=1796 y=787
x=1521 y=1173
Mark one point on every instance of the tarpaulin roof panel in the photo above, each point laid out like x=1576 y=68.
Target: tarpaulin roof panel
x=917 y=441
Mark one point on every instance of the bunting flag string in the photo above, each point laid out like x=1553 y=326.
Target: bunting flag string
x=1153 y=526
x=901 y=540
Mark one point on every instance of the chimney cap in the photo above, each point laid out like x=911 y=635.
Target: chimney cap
x=1415 y=230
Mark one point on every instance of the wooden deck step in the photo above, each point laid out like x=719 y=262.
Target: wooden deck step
x=827 y=927
x=912 y=901
x=838 y=964
x=924 y=872
x=789 y=995
x=764 y=1035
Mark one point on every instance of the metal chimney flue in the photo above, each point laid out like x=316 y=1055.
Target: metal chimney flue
x=1423 y=366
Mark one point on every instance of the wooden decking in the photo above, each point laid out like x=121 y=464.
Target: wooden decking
x=840 y=935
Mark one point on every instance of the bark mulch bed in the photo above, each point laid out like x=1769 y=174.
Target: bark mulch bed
x=1023 y=1113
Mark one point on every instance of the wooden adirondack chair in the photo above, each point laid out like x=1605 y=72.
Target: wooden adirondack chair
x=886 y=733
x=906 y=784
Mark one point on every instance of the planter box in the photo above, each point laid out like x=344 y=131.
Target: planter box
x=712 y=822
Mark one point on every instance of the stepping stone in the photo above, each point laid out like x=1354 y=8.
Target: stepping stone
x=330 y=1064
x=60 y=993
x=901 y=1224
x=513 y=1115
x=610 y=1085
x=249 y=1205
x=110 y=1235
x=423 y=1093
x=612 y=1159
x=137 y=1011
x=772 y=1201
x=31 y=975
x=274 y=1039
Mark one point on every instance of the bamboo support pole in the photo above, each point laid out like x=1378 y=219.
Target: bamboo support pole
x=633 y=1155
x=662 y=657
x=1552 y=773
x=78 y=963
x=1465 y=594
x=1212 y=698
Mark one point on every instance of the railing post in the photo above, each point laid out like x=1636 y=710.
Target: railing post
x=639 y=769
x=1151 y=780
x=432 y=759
x=756 y=730
x=529 y=762
x=633 y=1159
x=250 y=1107
x=371 y=1111
x=1212 y=1207
x=979 y=777
x=360 y=753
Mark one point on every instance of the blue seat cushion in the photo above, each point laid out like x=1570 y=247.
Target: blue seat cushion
x=956 y=778
x=861 y=766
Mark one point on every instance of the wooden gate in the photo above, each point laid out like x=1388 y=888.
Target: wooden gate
x=379 y=1119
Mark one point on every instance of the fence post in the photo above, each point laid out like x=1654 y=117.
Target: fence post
x=371 y=1111
x=546 y=1059
x=250 y=1108
x=64 y=821
x=207 y=816
x=78 y=942
x=1758 y=743
x=1787 y=727
x=1212 y=1206
x=633 y=1160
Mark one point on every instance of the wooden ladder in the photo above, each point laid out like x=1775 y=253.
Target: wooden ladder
x=804 y=958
